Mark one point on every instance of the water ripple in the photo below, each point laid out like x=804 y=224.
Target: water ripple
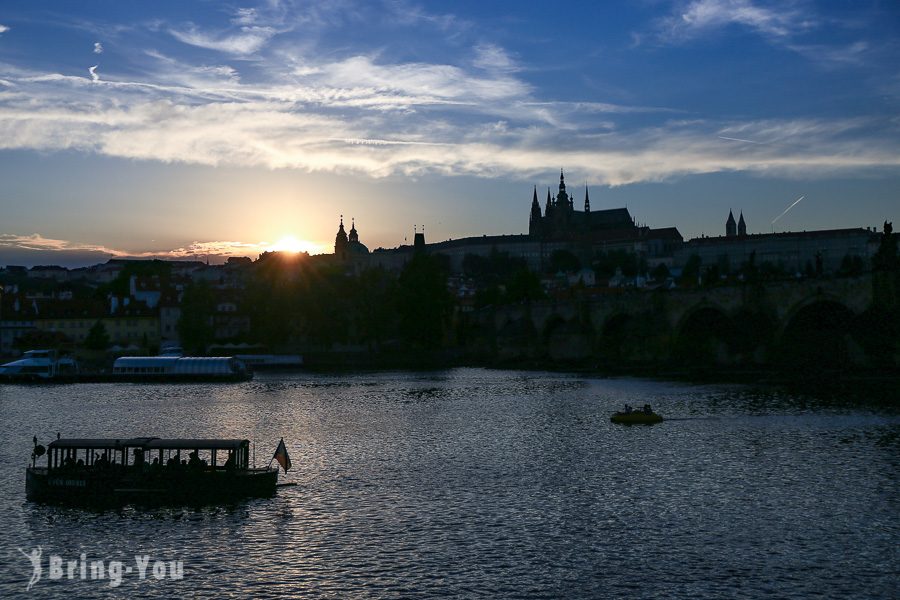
x=476 y=483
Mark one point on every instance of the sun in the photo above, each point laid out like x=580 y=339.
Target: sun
x=291 y=244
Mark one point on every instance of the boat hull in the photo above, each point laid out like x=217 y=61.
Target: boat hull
x=120 y=486
x=636 y=418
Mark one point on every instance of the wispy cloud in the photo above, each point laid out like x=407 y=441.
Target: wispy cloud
x=277 y=126
x=247 y=40
x=403 y=12
x=366 y=113
x=219 y=250
x=782 y=24
x=701 y=16
x=245 y=16
x=3 y=28
x=36 y=241
x=491 y=57
x=846 y=55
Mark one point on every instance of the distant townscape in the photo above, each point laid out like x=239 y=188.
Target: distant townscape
x=466 y=296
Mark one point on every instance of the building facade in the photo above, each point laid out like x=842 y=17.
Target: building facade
x=559 y=226
x=794 y=252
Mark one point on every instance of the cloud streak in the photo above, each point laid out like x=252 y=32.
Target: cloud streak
x=217 y=251
x=248 y=40
x=701 y=16
x=782 y=24
x=795 y=203
x=364 y=113
x=356 y=116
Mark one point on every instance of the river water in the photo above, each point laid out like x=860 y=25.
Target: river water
x=472 y=482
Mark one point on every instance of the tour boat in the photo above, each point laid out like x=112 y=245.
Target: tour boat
x=630 y=416
x=146 y=470
x=179 y=368
x=38 y=365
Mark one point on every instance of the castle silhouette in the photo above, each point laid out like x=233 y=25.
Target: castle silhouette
x=561 y=221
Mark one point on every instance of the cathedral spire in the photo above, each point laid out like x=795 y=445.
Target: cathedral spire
x=534 y=222
x=742 y=226
x=730 y=225
x=340 y=240
x=587 y=200
x=562 y=181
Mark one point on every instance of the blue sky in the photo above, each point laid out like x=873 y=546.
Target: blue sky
x=189 y=129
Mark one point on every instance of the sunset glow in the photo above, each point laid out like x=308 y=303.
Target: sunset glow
x=444 y=114
x=291 y=244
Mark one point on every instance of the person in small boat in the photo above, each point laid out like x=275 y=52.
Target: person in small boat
x=229 y=464
x=194 y=460
x=627 y=409
x=138 y=458
x=102 y=462
x=648 y=410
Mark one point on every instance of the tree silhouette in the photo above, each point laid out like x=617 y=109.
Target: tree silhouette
x=423 y=300
x=195 y=325
x=97 y=337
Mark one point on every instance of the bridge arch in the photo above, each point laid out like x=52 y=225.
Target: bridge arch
x=754 y=333
x=704 y=336
x=816 y=336
x=877 y=331
x=818 y=297
x=614 y=336
x=552 y=323
x=567 y=339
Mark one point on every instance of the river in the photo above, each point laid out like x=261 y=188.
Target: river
x=471 y=482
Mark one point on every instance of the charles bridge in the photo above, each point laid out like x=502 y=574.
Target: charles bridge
x=820 y=321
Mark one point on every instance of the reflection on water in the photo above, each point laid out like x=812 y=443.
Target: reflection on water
x=473 y=482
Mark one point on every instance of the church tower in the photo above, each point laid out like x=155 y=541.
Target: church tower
x=340 y=241
x=564 y=207
x=563 y=200
x=534 y=223
x=742 y=227
x=730 y=226
x=354 y=236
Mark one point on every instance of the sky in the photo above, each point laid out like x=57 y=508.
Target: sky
x=211 y=129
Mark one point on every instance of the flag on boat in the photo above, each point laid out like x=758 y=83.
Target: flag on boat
x=281 y=455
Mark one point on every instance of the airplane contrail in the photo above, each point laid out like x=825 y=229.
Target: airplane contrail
x=797 y=201
x=722 y=137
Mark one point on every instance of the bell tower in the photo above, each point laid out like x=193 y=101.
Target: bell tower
x=340 y=241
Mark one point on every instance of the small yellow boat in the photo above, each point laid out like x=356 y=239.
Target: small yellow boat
x=631 y=416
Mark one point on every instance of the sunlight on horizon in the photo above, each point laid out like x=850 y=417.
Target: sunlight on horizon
x=289 y=243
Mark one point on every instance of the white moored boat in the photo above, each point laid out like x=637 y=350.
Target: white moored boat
x=39 y=365
x=181 y=368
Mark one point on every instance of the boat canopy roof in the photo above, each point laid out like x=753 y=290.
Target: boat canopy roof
x=91 y=443
x=174 y=444
x=149 y=443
